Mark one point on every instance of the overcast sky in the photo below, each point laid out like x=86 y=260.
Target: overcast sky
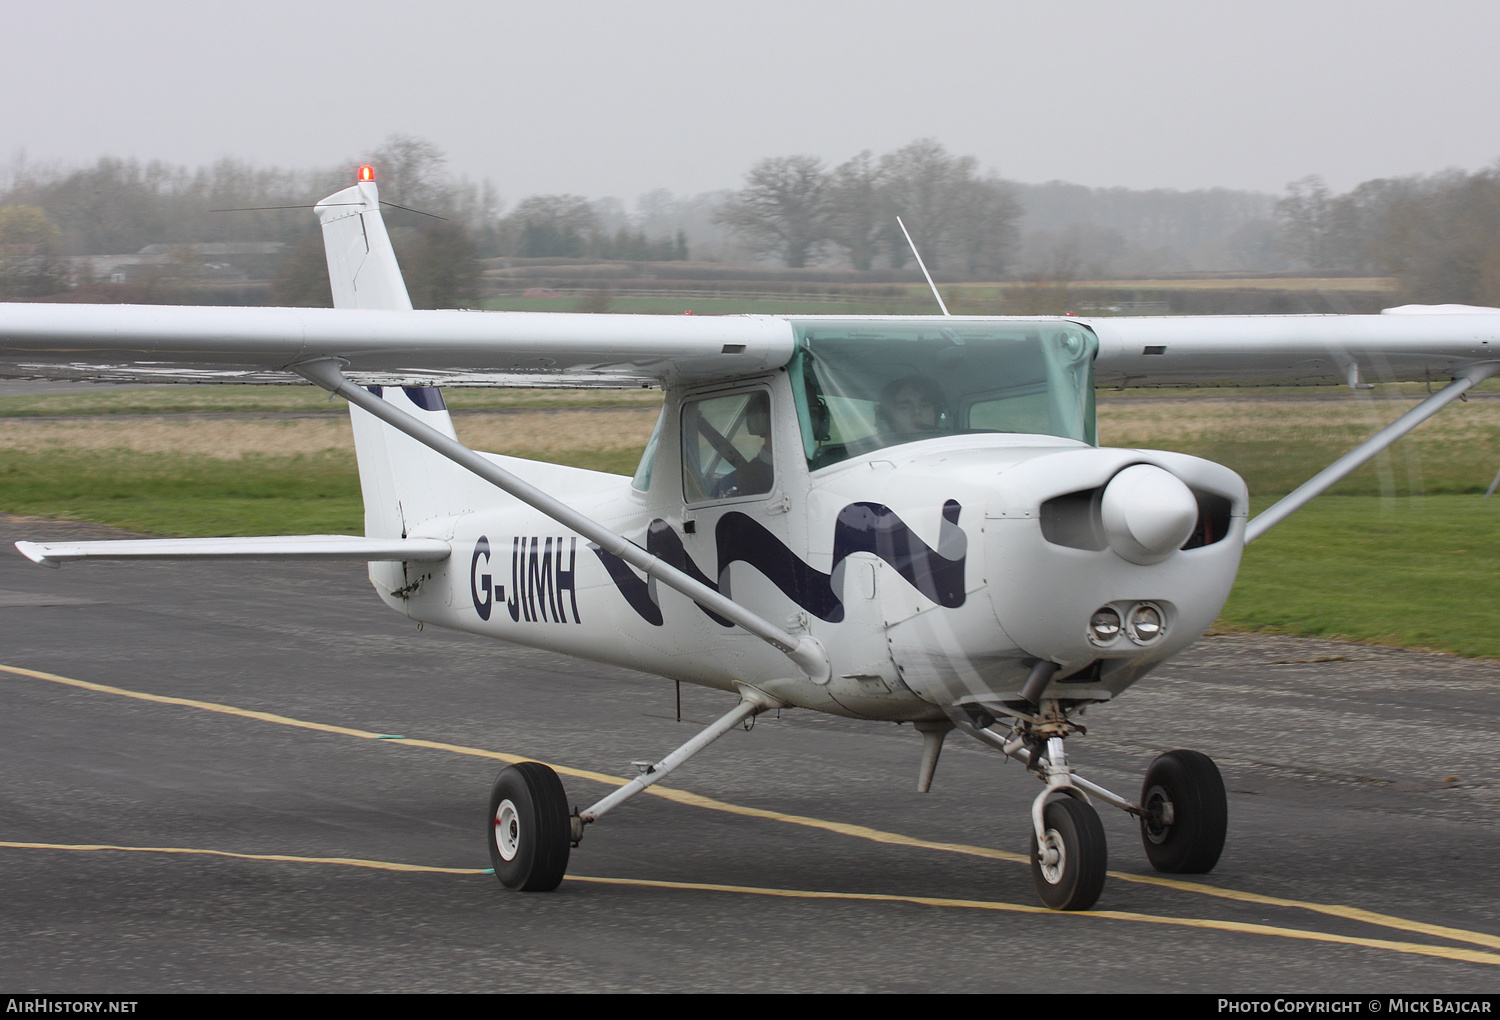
x=621 y=97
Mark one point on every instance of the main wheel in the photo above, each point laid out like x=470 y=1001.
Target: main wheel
x=528 y=828
x=1074 y=879
x=1187 y=813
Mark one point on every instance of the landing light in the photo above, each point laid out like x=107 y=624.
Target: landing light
x=1145 y=623
x=1104 y=626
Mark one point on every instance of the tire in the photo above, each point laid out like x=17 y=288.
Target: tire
x=1076 y=881
x=1192 y=842
x=527 y=830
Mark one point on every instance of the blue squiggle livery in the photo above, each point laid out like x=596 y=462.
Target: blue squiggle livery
x=860 y=527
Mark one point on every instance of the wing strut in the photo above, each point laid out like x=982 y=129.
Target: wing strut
x=804 y=650
x=1355 y=458
x=752 y=703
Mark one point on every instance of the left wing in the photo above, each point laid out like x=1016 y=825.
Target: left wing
x=1415 y=342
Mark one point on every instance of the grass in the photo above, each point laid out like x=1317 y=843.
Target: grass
x=1405 y=552
x=1278 y=441
x=195 y=496
x=193 y=475
x=186 y=495
x=1421 y=573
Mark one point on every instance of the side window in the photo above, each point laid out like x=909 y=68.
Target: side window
x=726 y=447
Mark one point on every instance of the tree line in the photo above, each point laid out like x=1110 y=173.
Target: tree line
x=1439 y=234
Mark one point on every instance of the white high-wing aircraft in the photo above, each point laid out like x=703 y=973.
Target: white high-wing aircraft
x=901 y=519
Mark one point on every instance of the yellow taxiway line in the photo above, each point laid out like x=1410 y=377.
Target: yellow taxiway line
x=841 y=828
x=1240 y=927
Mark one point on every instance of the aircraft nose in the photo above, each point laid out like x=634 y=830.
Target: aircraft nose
x=1148 y=513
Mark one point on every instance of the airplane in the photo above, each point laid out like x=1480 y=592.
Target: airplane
x=895 y=519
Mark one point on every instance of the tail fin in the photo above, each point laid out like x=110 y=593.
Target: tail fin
x=362 y=265
x=403 y=482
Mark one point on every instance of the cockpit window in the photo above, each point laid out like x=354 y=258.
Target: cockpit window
x=726 y=447
x=863 y=386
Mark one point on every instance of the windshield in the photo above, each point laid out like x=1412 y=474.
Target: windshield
x=863 y=386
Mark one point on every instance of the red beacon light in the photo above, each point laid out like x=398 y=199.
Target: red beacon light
x=367 y=172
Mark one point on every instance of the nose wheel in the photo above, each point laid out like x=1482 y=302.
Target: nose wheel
x=1069 y=861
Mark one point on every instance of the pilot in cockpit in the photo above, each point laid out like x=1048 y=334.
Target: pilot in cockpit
x=912 y=404
x=751 y=475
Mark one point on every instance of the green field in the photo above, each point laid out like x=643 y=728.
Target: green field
x=186 y=495
x=1421 y=573
x=1405 y=552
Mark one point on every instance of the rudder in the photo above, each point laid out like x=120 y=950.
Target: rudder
x=402 y=482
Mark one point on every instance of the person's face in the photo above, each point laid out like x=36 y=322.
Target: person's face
x=912 y=410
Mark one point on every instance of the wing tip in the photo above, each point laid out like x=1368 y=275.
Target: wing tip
x=37 y=554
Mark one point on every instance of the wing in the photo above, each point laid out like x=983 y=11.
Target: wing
x=147 y=343
x=1410 y=343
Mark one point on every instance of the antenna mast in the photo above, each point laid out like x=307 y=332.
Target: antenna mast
x=923 y=265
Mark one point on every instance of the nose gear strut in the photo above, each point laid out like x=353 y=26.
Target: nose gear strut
x=1182 y=812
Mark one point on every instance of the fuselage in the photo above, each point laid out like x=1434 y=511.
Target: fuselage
x=935 y=572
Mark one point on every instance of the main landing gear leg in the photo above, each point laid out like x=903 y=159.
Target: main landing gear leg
x=530 y=829
x=752 y=703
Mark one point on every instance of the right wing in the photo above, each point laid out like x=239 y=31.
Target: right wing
x=162 y=343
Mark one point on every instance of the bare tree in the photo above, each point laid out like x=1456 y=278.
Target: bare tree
x=782 y=210
x=985 y=235
x=1306 y=217
x=926 y=186
x=413 y=172
x=551 y=226
x=856 y=213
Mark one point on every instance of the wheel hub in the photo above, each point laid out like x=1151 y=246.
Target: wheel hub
x=1158 y=816
x=507 y=830
x=1052 y=857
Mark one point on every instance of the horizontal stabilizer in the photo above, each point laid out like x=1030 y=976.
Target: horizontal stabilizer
x=266 y=547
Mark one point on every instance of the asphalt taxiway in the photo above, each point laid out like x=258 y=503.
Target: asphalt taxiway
x=255 y=777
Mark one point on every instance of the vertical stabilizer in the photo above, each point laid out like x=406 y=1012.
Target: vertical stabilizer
x=403 y=483
x=361 y=262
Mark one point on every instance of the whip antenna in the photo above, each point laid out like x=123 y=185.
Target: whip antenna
x=923 y=265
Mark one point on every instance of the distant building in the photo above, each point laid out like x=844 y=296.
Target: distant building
x=211 y=249
x=211 y=259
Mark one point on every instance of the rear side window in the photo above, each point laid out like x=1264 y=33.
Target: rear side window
x=642 y=480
